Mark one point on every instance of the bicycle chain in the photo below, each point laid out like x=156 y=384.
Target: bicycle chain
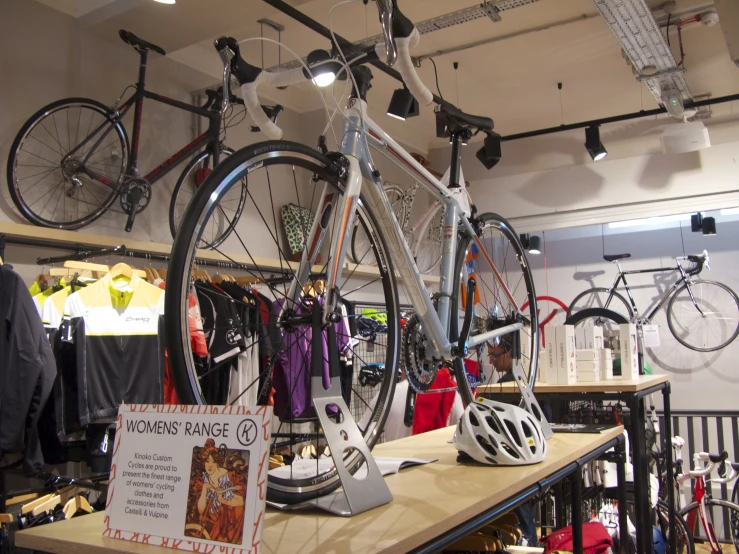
x=420 y=372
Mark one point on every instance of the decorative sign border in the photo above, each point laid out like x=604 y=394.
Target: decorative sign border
x=182 y=544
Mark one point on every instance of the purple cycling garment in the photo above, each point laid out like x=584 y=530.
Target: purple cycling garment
x=291 y=374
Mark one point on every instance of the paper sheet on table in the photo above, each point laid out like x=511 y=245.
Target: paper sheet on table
x=303 y=469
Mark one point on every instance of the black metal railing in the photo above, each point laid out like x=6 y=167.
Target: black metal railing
x=708 y=431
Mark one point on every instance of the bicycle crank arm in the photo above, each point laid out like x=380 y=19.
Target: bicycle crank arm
x=134 y=196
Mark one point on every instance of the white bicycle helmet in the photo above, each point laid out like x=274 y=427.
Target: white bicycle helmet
x=494 y=433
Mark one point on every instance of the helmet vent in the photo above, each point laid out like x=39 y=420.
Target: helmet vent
x=473 y=419
x=490 y=420
x=514 y=432
x=486 y=445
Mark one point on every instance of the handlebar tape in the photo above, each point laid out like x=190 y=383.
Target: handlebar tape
x=405 y=66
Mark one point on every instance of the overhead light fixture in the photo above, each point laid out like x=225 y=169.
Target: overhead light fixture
x=532 y=243
x=705 y=224
x=491 y=151
x=593 y=144
x=730 y=211
x=402 y=105
x=322 y=67
x=165 y=1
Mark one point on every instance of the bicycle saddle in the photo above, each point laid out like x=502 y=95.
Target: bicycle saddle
x=140 y=44
x=479 y=122
x=614 y=257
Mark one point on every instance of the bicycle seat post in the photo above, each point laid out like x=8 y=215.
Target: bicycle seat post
x=140 y=84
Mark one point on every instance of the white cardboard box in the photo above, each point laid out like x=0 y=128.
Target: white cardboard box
x=541 y=375
x=588 y=355
x=606 y=363
x=550 y=352
x=587 y=338
x=629 y=352
x=592 y=366
x=565 y=341
x=588 y=376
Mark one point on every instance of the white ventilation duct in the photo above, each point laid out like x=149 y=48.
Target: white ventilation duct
x=641 y=39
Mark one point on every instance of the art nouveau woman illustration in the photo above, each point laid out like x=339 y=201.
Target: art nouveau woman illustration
x=216 y=498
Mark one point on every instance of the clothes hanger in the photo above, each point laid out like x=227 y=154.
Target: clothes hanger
x=125 y=270
x=477 y=543
x=6 y=518
x=50 y=504
x=248 y=280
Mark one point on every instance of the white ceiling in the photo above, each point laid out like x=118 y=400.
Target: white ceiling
x=513 y=80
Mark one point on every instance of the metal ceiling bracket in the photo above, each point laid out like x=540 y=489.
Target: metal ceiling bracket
x=269 y=23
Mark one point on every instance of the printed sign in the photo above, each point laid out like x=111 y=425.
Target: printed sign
x=651 y=336
x=190 y=477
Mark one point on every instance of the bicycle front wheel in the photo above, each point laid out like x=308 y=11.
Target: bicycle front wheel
x=229 y=210
x=704 y=315
x=683 y=538
x=492 y=305
x=266 y=170
x=722 y=519
x=67 y=163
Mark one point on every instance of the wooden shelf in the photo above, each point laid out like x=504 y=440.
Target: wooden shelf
x=72 y=238
x=610 y=385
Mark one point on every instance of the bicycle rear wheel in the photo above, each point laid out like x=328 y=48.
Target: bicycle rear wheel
x=683 y=538
x=361 y=243
x=711 y=322
x=229 y=210
x=492 y=306
x=47 y=162
x=597 y=298
x=278 y=173
x=428 y=251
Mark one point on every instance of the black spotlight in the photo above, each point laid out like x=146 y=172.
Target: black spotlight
x=491 y=152
x=402 y=105
x=593 y=144
x=709 y=226
x=696 y=222
x=532 y=244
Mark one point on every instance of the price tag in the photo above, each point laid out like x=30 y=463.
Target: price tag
x=651 y=336
x=190 y=477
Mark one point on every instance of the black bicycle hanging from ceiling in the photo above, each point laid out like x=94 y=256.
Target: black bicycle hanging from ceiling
x=702 y=315
x=72 y=159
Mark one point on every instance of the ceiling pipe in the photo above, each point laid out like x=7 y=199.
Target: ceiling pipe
x=618 y=118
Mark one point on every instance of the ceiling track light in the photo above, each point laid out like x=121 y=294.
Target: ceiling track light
x=491 y=151
x=403 y=105
x=593 y=144
x=705 y=224
x=323 y=68
x=532 y=243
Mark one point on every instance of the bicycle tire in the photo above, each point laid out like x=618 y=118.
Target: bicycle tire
x=24 y=205
x=684 y=542
x=629 y=312
x=733 y=510
x=498 y=224
x=735 y=492
x=189 y=180
x=252 y=161
x=359 y=246
x=726 y=303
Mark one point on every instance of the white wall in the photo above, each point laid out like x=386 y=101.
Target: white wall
x=699 y=381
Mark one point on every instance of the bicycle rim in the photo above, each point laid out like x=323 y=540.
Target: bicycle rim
x=280 y=173
x=52 y=191
x=597 y=298
x=492 y=307
x=361 y=243
x=709 y=324
x=229 y=209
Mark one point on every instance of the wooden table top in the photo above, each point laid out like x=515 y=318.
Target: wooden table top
x=428 y=501
x=611 y=385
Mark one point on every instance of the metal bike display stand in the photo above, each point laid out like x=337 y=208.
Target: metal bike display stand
x=342 y=434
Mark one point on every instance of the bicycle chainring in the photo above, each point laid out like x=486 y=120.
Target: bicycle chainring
x=144 y=186
x=420 y=371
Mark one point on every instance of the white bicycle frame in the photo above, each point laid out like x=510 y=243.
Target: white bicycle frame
x=359 y=133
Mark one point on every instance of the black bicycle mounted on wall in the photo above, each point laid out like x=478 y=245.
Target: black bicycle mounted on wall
x=702 y=315
x=73 y=158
